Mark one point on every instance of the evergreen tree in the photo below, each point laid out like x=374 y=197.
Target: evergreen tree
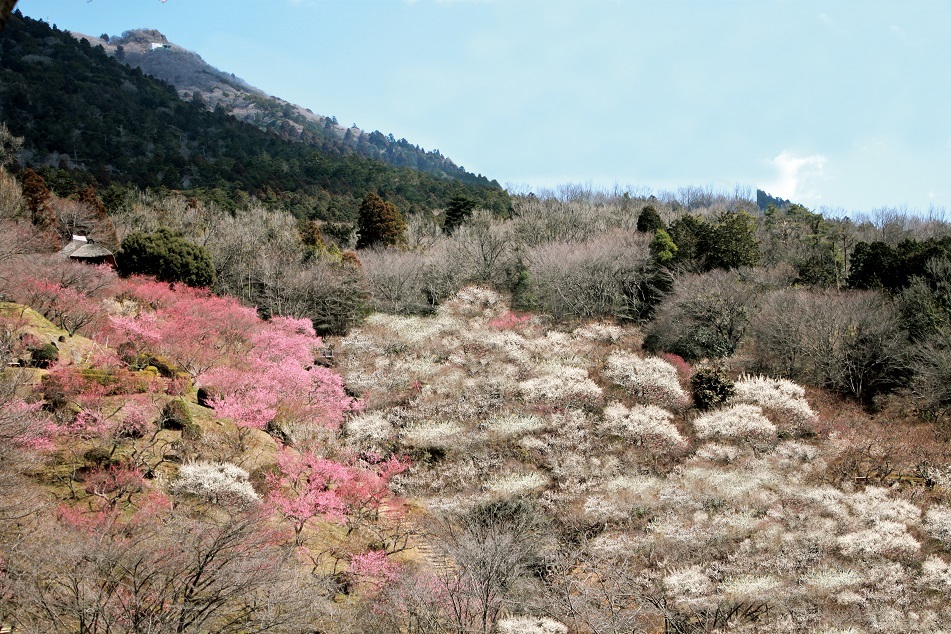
x=167 y=256
x=380 y=223
x=732 y=242
x=663 y=247
x=649 y=221
x=37 y=196
x=458 y=211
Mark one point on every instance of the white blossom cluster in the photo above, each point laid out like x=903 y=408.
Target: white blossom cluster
x=474 y=301
x=885 y=538
x=529 y=625
x=644 y=424
x=599 y=332
x=652 y=378
x=750 y=587
x=561 y=385
x=690 y=586
x=780 y=395
x=938 y=522
x=441 y=434
x=370 y=428
x=515 y=424
x=214 y=482
x=737 y=422
x=515 y=484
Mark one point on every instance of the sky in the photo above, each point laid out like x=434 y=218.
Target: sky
x=835 y=104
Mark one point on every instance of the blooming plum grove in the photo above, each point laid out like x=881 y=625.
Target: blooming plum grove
x=743 y=518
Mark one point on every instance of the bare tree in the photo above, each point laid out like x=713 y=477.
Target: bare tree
x=848 y=342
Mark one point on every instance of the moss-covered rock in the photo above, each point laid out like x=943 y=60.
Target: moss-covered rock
x=177 y=417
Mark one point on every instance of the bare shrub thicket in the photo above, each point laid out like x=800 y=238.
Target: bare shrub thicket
x=183 y=574
x=599 y=277
x=396 y=280
x=851 y=342
x=706 y=315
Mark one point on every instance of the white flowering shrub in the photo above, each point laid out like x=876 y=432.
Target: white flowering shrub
x=442 y=434
x=874 y=504
x=718 y=452
x=828 y=581
x=647 y=425
x=689 y=587
x=652 y=378
x=515 y=484
x=737 y=422
x=598 y=332
x=936 y=573
x=751 y=587
x=370 y=428
x=785 y=398
x=474 y=301
x=214 y=482
x=561 y=386
x=529 y=625
x=938 y=522
x=885 y=539
x=796 y=451
x=515 y=424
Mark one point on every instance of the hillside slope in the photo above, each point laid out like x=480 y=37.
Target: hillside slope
x=81 y=110
x=195 y=79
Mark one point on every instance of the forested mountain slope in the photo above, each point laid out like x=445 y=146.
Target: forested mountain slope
x=81 y=110
x=195 y=79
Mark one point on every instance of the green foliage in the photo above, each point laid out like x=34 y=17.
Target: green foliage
x=689 y=233
x=380 y=223
x=732 y=242
x=458 y=211
x=167 y=256
x=43 y=356
x=649 y=221
x=710 y=387
x=521 y=288
x=663 y=247
x=117 y=125
x=876 y=265
x=177 y=417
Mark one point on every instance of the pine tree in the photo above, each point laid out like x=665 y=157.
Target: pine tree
x=380 y=223
x=458 y=211
x=38 y=197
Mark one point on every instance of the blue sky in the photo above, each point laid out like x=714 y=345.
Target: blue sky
x=841 y=104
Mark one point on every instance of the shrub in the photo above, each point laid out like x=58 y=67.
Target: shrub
x=710 y=387
x=648 y=425
x=649 y=220
x=652 y=379
x=786 y=399
x=214 y=481
x=530 y=625
x=739 y=422
x=705 y=316
x=167 y=256
x=851 y=343
x=43 y=356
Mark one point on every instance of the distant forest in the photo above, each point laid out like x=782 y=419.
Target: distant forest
x=88 y=119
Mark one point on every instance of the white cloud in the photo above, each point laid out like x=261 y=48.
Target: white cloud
x=797 y=176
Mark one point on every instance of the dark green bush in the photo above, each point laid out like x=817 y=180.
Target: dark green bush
x=167 y=256
x=43 y=356
x=710 y=387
